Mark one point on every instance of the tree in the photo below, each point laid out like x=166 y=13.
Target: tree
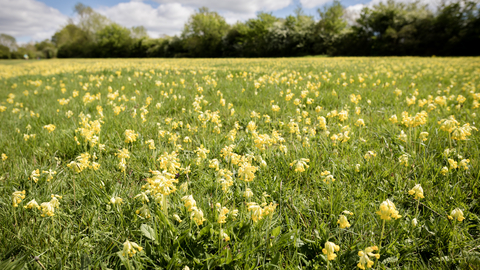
x=113 y=41
x=8 y=41
x=203 y=33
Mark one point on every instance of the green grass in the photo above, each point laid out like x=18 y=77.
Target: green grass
x=86 y=232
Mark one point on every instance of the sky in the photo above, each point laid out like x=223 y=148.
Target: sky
x=37 y=20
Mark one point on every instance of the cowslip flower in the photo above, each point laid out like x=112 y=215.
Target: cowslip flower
x=388 y=210
x=365 y=257
x=49 y=127
x=130 y=136
x=370 y=154
x=17 y=197
x=444 y=171
x=402 y=137
x=4 y=157
x=34 y=175
x=116 y=201
x=130 y=248
x=300 y=165
x=32 y=204
x=343 y=221
x=417 y=190
x=456 y=214
x=424 y=135
x=330 y=249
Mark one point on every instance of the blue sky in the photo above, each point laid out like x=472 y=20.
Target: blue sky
x=35 y=20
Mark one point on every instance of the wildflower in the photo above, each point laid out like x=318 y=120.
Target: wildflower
x=116 y=201
x=224 y=236
x=444 y=171
x=365 y=257
x=223 y=215
x=300 y=164
x=248 y=193
x=388 y=210
x=246 y=171
x=343 y=222
x=403 y=159
x=423 y=136
x=34 y=175
x=453 y=164
x=417 y=190
x=360 y=123
x=32 y=204
x=143 y=212
x=330 y=249
x=414 y=222
x=197 y=216
x=393 y=119
x=177 y=218
x=4 y=157
x=402 y=137
x=50 y=174
x=151 y=144
x=456 y=214
x=464 y=164
x=357 y=168
x=346 y=212
x=256 y=210
x=130 y=136
x=17 y=197
x=130 y=248
x=370 y=154
x=49 y=127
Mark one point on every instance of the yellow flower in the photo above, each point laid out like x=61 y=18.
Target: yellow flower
x=402 y=137
x=35 y=174
x=403 y=159
x=49 y=127
x=224 y=236
x=370 y=154
x=151 y=144
x=365 y=259
x=197 y=216
x=116 y=200
x=343 y=222
x=130 y=248
x=424 y=135
x=130 y=136
x=393 y=119
x=17 y=197
x=248 y=193
x=4 y=157
x=464 y=164
x=223 y=215
x=330 y=249
x=388 y=210
x=453 y=164
x=190 y=203
x=444 y=171
x=456 y=214
x=417 y=190
x=31 y=204
x=300 y=165
x=257 y=211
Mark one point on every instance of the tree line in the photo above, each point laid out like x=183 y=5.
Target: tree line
x=385 y=29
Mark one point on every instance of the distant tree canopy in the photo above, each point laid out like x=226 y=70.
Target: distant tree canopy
x=387 y=28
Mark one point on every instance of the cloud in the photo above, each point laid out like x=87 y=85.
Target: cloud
x=166 y=19
x=234 y=6
x=313 y=3
x=21 y=18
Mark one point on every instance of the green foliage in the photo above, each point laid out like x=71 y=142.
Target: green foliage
x=203 y=33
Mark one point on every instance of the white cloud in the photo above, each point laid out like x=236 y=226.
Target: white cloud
x=234 y=6
x=20 y=18
x=313 y=3
x=165 y=19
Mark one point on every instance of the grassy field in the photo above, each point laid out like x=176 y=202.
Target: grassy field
x=312 y=163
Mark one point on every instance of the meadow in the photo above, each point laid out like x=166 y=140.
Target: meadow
x=295 y=163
